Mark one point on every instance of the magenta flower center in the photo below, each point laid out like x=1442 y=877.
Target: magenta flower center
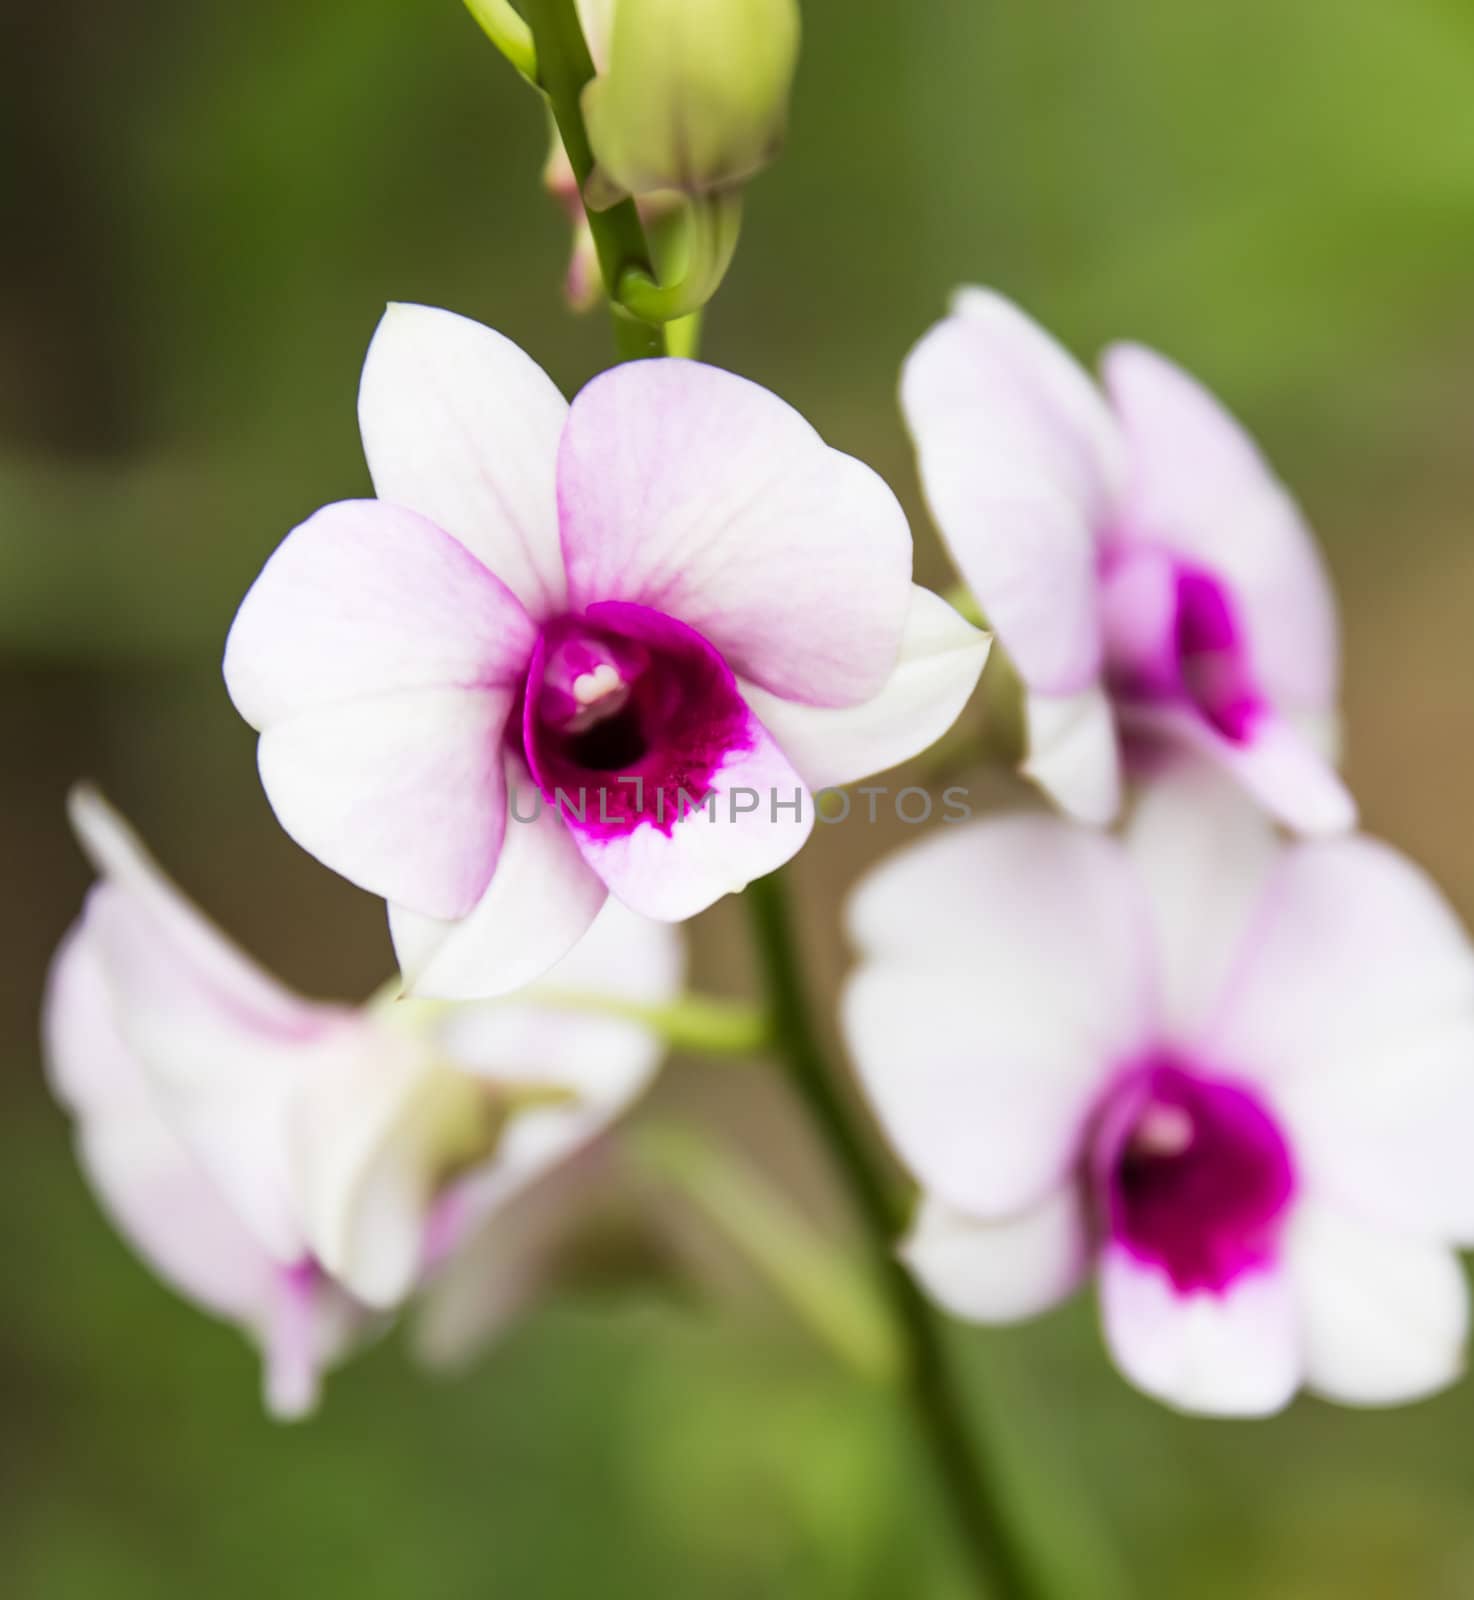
x=1173 y=637
x=627 y=716
x=1190 y=1173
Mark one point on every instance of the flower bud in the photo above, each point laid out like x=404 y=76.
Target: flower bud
x=695 y=94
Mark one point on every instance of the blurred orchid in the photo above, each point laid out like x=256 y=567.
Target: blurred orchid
x=294 y=1165
x=1152 y=581
x=1233 y=1078
x=643 y=607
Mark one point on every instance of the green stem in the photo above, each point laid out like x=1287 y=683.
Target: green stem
x=936 y=1404
x=821 y=1287
x=564 y=68
x=699 y=1023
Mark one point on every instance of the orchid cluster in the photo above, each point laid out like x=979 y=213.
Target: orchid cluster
x=580 y=669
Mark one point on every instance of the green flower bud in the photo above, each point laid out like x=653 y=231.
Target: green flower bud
x=694 y=96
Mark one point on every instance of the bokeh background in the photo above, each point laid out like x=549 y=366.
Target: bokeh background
x=205 y=206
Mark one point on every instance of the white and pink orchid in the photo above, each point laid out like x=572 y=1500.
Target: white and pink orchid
x=1152 y=581
x=294 y=1165
x=669 y=610
x=1232 y=1078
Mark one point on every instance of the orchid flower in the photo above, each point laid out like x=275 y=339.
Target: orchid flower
x=569 y=650
x=294 y=1165
x=1152 y=581
x=1230 y=1077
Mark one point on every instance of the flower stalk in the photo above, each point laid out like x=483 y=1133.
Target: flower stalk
x=564 y=67
x=1000 y=1565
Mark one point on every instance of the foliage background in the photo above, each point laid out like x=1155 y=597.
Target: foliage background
x=205 y=207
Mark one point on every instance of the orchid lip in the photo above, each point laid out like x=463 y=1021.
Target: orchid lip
x=632 y=710
x=1190 y=1172
x=1174 y=637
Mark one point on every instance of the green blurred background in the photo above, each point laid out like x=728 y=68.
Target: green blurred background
x=204 y=208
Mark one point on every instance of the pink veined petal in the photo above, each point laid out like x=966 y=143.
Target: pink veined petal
x=1276 y=763
x=463 y=427
x=941 y=660
x=1074 y=755
x=1000 y=1271
x=1229 y=1354
x=756 y=815
x=541 y=899
x=1384 y=1316
x=700 y=495
x=1007 y=975
x=403 y=794
x=1352 y=954
x=1197 y=483
x=365 y=599
x=1204 y=852
x=1019 y=460
x=553 y=1033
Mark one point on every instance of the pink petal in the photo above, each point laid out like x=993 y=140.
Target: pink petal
x=1233 y=1353
x=1019 y=460
x=461 y=426
x=366 y=599
x=1007 y=974
x=941 y=660
x=403 y=794
x=755 y=816
x=1074 y=754
x=700 y=495
x=1197 y=483
x=1384 y=1316
x=1000 y=1271
x=541 y=899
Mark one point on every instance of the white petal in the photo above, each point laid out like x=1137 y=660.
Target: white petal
x=403 y=794
x=553 y=1032
x=1073 y=755
x=699 y=494
x=1385 y=1135
x=941 y=660
x=1009 y=975
x=1384 y=1316
x=463 y=427
x=1204 y=852
x=1019 y=460
x=1198 y=484
x=201 y=949
x=365 y=599
x=373 y=1128
x=1000 y=1271
x=541 y=899
x=1353 y=954
x=153 y=1188
x=500 y=1268
x=1234 y=1354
